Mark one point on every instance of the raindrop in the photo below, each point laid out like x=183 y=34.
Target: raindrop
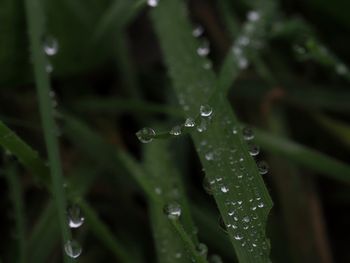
x=246 y=219
x=224 y=189
x=205 y=110
x=146 y=135
x=253 y=149
x=172 y=210
x=176 y=130
x=261 y=205
x=243 y=63
x=75 y=218
x=253 y=16
x=50 y=46
x=203 y=50
x=152 y=3
x=263 y=167
x=72 y=249
x=158 y=190
x=238 y=237
x=248 y=133
x=198 y=31
x=189 y=123
x=202 y=249
x=209 y=156
x=234 y=130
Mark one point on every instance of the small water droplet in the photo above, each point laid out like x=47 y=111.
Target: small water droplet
x=248 y=133
x=158 y=190
x=75 y=218
x=202 y=126
x=253 y=149
x=50 y=46
x=189 y=122
x=243 y=41
x=341 y=69
x=209 y=156
x=263 y=167
x=261 y=205
x=48 y=67
x=146 y=135
x=176 y=130
x=203 y=50
x=238 y=237
x=224 y=189
x=198 y=31
x=72 y=249
x=253 y=16
x=243 y=63
x=205 y=110
x=173 y=210
x=178 y=255
x=152 y=3
x=246 y=219
x=207 y=65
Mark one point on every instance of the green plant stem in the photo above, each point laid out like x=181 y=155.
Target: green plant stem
x=35 y=18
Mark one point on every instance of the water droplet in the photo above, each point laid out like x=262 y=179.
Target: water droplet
x=75 y=218
x=237 y=51
x=263 y=167
x=146 y=135
x=261 y=205
x=178 y=255
x=72 y=249
x=205 y=110
x=198 y=31
x=253 y=149
x=202 y=249
x=215 y=259
x=189 y=123
x=243 y=63
x=253 y=16
x=243 y=41
x=238 y=237
x=158 y=190
x=248 y=133
x=152 y=3
x=172 y=210
x=246 y=219
x=203 y=50
x=209 y=156
x=341 y=69
x=50 y=46
x=234 y=130
x=48 y=67
x=207 y=65
x=224 y=189
x=176 y=130
x=202 y=126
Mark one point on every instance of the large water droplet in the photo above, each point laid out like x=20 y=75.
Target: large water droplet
x=205 y=110
x=146 y=135
x=152 y=3
x=263 y=167
x=72 y=249
x=176 y=130
x=50 y=46
x=253 y=149
x=75 y=218
x=173 y=210
x=189 y=122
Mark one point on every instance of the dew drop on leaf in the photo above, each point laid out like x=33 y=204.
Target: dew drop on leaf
x=203 y=50
x=146 y=135
x=176 y=130
x=248 y=133
x=189 y=122
x=263 y=167
x=50 y=46
x=205 y=110
x=75 y=218
x=172 y=210
x=198 y=31
x=152 y=3
x=72 y=249
x=253 y=149
x=253 y=16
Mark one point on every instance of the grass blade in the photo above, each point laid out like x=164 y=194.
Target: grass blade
x=35 y=18
x=193 y=85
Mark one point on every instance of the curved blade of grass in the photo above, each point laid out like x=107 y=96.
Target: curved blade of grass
x=102 y=232
x=243 y=188
x=319 y=162
x=25 y=154
x=35 y=18
x=18 y=205
x=167 y=182
x=338 y=128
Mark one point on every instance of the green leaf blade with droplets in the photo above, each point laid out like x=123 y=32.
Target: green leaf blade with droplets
x=238 y=189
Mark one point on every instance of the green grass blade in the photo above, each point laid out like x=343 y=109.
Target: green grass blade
x=101 y=231
x=194 y=85
x=25 y=154
x=167 y=183
x=35 y=18
x=18 y=205
x=298 y=153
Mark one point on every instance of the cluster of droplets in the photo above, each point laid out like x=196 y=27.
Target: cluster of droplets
x=75 y=220
x=203 y=50
x=251 y=36
x=146 y=135
x=50 y=48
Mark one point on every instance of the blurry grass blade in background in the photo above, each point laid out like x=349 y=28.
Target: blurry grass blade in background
x=219 y=148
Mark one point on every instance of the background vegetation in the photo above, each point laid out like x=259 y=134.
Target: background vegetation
x=249 y=103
